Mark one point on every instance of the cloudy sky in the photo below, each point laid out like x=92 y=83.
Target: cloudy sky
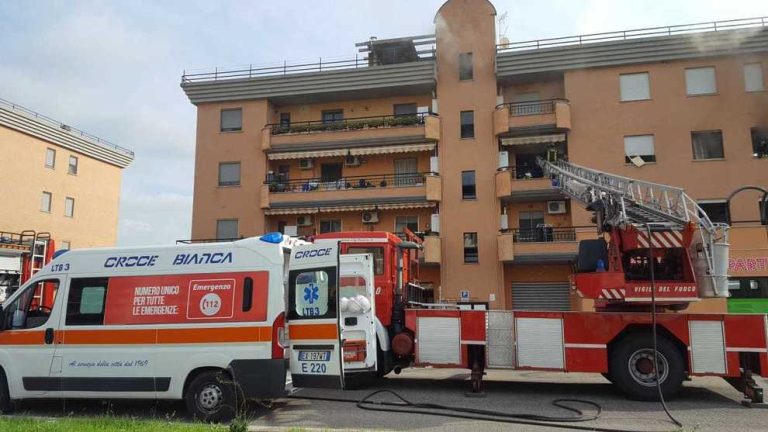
x=112 y=68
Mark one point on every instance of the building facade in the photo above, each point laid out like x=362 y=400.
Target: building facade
x=58 y=179
x=440 y=133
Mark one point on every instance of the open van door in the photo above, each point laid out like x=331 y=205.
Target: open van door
x=313 y=316
x=357 y=317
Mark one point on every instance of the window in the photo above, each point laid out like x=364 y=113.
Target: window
x=707 y=145
x=285 y=120
x=45 y=202
x=531 y=227
x=378 y=256
x=465 y=66
x=634 y=86
x=468 y=190
x=470 y=247
x=700 y=81
x=229 y=174
x=227 y=229
x=753 y=77
x=716 y=210
x=405 y=109
x=330 y=172
x=330 y=225
x=760 y=142
x=72 y=169
x=231 y=120
x=50 y=158
x=406 y=172
x=85 y=305
x=66 y=245
x=748 y=287
x=312 y=294
x=639 y=146
x=32 y=307
x=410 y=222
x=69 y=207
x=331 y=116
x=467 y=124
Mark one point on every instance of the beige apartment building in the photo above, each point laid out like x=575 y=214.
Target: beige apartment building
x=58 y=179
x=439 y=133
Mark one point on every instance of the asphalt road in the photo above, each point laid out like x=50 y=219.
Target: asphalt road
x=704 y=404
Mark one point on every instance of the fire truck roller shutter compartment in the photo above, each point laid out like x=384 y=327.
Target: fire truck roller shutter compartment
x=550 y=296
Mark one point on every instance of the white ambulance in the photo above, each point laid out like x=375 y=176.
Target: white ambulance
x=200 y=322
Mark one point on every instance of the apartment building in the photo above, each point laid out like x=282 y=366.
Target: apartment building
x=58 y=179
x=439 y=133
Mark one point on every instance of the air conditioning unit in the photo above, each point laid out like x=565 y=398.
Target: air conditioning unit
x=305 y=220
x=352 y=161
x=556 y=207
x=370 y=217
x=305 y=164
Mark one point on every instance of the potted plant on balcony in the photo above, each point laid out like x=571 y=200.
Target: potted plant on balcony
x=299 y=128
x=375 y=123
x=318 y=127
x=355 y=125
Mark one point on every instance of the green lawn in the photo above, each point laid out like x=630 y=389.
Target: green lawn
x=101 y=424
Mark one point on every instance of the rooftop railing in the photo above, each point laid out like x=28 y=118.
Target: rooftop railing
x=64 y=127
x=633 y=34
x=277 y=185
x=356 y=123
x=286 y=68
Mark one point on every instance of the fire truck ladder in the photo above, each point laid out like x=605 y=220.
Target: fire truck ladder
x=624 y=201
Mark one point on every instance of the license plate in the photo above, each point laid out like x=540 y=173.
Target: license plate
x=314 y=356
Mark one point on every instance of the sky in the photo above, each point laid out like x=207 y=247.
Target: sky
x=113 y=68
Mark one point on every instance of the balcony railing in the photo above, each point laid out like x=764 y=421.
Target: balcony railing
x=633 y=34
x=519 y=109
x=64 y=127
x=544 y=234
x=346 y=183
x=356 y=123
x=524 y=172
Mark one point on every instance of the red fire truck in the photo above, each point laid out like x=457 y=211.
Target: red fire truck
x=22 y=255
x=662 y=253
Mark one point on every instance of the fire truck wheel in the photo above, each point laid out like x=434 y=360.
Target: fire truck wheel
x=211 y=397
x=633 y=372
x=6 y=406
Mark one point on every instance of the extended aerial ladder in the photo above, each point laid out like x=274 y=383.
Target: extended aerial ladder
x=690 y=252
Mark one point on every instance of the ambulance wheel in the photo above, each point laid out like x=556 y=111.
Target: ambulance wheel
x=632 y=368
x=211 y=397
x=6 y=406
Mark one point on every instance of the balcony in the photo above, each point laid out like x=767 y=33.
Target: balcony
x=375 y=130
x=317 y=192
x=547 y=116
x=524 y=183
x=541 y=245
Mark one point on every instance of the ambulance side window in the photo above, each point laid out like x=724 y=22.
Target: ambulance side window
x=85 y=305
x=312 y=293
x=33 y=306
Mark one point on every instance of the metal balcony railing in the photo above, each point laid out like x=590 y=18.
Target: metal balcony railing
x=524 y=172
x=632 y=34
x=318 y=64
x=355 y=123
x=64 y=127
x=519 y=109
x=345 y=183
x=543 y=234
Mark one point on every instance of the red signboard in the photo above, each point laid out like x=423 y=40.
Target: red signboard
x=171 y=299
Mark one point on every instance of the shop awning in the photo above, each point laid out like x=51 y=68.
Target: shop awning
x=345 y=208
x=359 y=151
x=537 y=139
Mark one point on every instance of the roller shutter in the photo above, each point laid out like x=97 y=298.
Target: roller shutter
x=541 y=296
